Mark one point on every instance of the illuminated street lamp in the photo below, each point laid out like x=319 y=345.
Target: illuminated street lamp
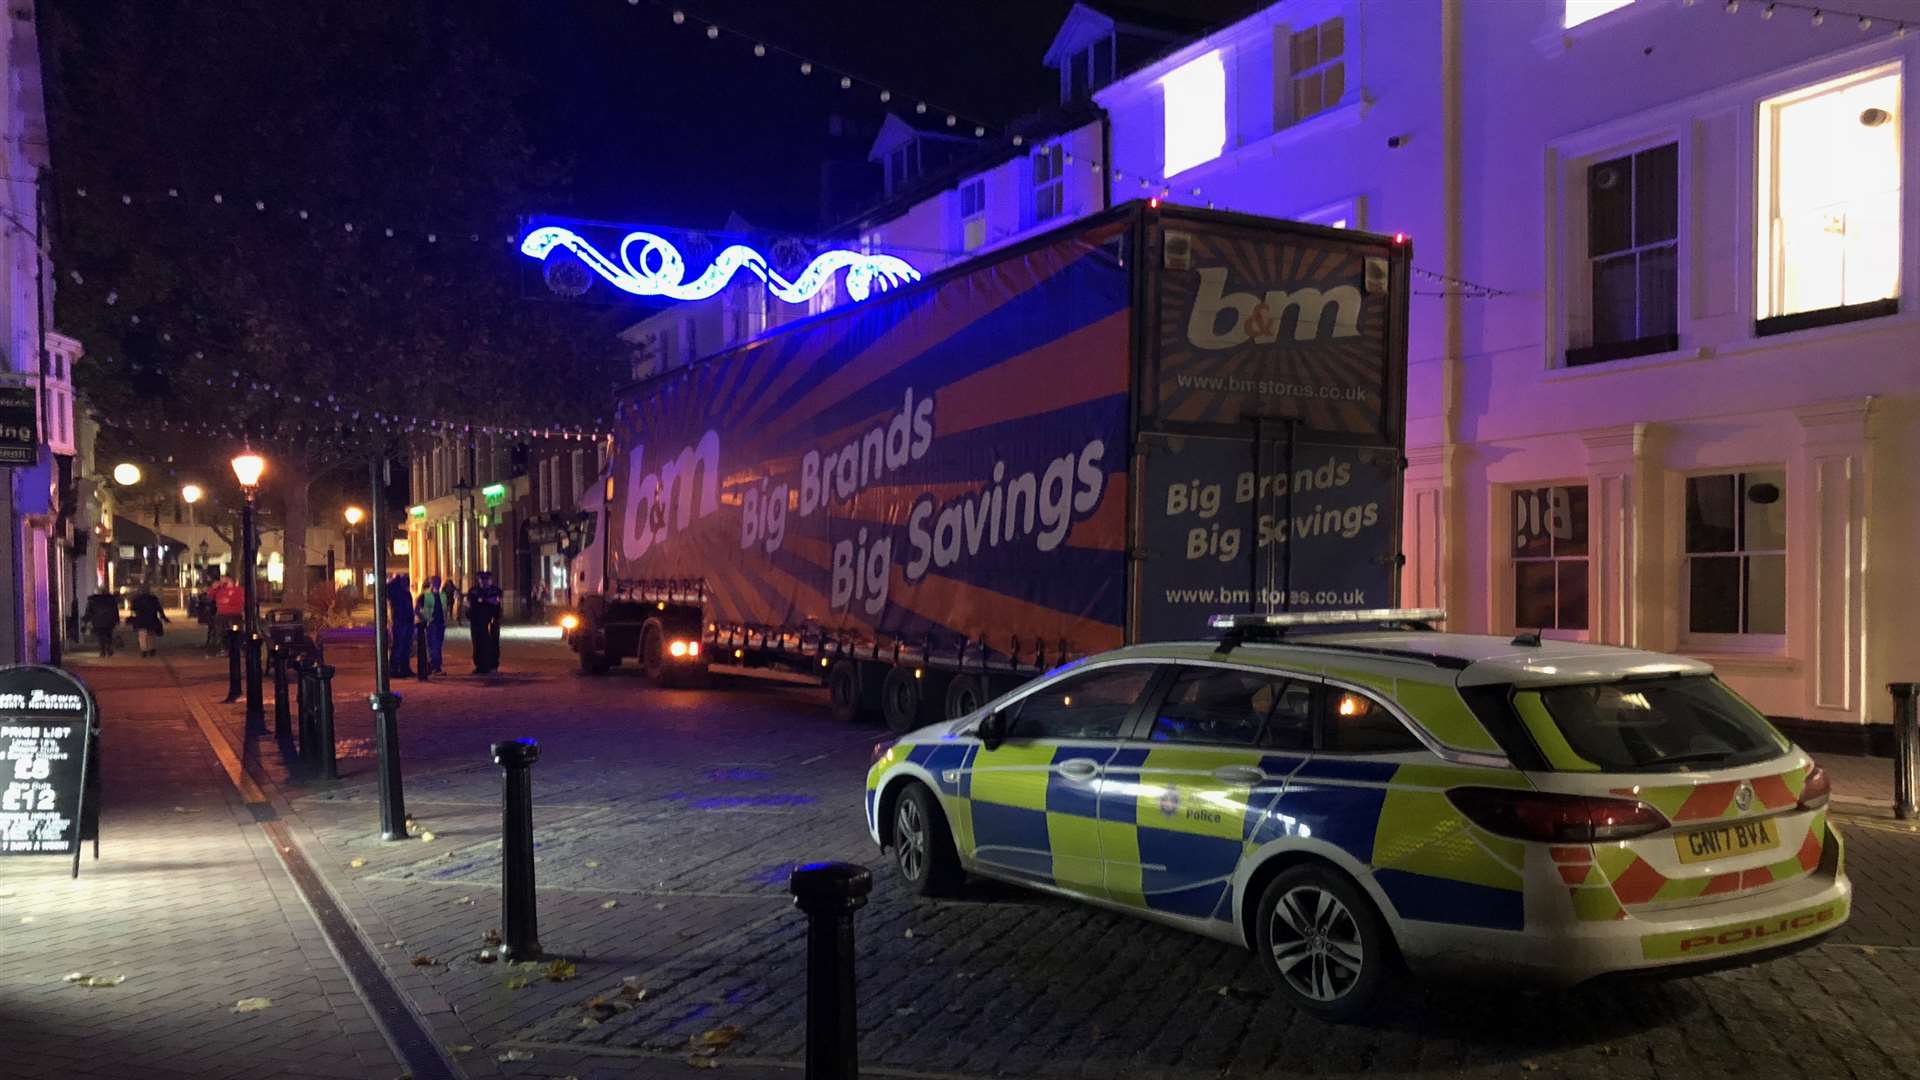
x=126 y=474
x=190 y=494
x=353 y=515
x=247 y=467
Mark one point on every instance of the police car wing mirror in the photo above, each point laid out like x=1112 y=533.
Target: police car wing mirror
x=993 y=729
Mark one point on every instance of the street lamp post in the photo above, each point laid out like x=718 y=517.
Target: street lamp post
x=353 y=516
x=247 y=467
x=190 y=494
x=385 y=703
x=464 y=489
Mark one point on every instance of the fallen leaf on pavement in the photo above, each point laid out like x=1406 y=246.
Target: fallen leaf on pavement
x=593 y=864
x=610 y=905
x=185 y=810
x=82 y=979
x=464 y=900
x=560 y=971
x=725 y=1035
x=515 y=1055
x=659 y=907
x=426 y=837
x=423 y=960
x=631 y=989
x=252 y=1004
x=26 y=918
x=1530 y=1066
x=486 y=956
x=588 y=1022
x=492 y=936
x=357 y=863
x=909 y=932
x=462 y=1048
x=703 y=1063
x=519 y=983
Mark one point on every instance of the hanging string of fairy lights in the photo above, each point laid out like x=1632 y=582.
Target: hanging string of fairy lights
x=1817 y=15
x=328 y=413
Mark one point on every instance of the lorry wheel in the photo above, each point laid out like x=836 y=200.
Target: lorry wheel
x=593 y=663
x=653 y=652
x=903 y=701
x=843 y=690
x=965 y=694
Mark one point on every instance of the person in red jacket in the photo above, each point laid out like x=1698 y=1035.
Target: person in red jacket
x=229 y=606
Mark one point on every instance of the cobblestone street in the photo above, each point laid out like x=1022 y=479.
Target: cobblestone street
x=666 y=822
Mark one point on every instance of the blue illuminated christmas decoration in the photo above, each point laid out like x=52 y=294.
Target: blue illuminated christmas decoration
x=657 y=268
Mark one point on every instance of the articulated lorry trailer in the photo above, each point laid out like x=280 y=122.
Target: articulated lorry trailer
x=1102 y=435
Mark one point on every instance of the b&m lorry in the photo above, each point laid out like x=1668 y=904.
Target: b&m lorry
x=1105 y=434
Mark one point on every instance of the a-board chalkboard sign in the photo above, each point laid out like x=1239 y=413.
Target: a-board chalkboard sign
x=48 y=764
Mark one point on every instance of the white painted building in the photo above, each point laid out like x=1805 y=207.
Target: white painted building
x=1685 y=418
x=33 y=527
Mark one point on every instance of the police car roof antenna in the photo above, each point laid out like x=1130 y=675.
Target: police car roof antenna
x=1531 y=639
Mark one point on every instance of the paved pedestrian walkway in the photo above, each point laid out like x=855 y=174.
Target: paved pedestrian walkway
x=206 y=961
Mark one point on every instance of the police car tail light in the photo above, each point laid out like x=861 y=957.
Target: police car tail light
x=1550 y=818
x=1817 y=790
x=880 y=750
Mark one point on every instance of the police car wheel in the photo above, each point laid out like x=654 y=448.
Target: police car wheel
x=922 y=844
x=1323 y=941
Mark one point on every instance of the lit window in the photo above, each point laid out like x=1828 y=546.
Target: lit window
x=1829 y=231
x=1049 y=183
x=1550 y=558
x=1737 y=553
x=1317 y=61
x=1196 y=113
x=1633 y=247
x=973 y=214
x=1579 y=11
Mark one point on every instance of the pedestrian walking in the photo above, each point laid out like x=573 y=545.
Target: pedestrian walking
x=103 y=618
x=203 y=611
x=537 y=603
x=400 y=614
x=450 y=592
x=148 y=620
x=430 y=618
x=483 y=613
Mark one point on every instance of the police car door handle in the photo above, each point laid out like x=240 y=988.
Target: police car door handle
x=1080 y=768
x=1239 y=774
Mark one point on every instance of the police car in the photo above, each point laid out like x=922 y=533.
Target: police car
x=1354 y=793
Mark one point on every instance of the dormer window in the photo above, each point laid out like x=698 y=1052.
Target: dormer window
x=1088 y=70
x=903 y=165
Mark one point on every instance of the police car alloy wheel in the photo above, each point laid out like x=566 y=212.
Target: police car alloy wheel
x=922 y=845
x=1323 y=941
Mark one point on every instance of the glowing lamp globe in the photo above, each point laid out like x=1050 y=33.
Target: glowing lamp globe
x=354 y=514
x=247 y=469
x=191 y=493
x=126 y=474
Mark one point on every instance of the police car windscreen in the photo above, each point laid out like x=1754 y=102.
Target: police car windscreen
x=1682 y=722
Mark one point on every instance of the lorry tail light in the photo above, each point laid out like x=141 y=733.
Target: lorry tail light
x=1549 y=818
x=1817 y=790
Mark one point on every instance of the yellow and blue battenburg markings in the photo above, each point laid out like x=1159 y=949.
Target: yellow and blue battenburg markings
x=1156 y=829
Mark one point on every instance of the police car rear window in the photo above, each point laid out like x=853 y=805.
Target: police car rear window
x=1681 y=722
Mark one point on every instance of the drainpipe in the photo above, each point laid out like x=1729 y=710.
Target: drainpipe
x=1454 y=547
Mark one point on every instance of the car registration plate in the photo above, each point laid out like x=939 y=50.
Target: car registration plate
x=1704 y=845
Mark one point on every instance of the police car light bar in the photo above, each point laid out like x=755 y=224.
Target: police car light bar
x=1328 y=618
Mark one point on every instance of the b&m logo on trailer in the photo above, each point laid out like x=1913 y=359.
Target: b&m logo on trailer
x=1290 y=330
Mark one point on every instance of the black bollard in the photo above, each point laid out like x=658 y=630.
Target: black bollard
x=386 y=724
x=277 y=654
x=1906 y=748
x=303 y=698
x=520 y=925
x=323 y=722
x=256 y=709
x=233 y=664
x=830 y=893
